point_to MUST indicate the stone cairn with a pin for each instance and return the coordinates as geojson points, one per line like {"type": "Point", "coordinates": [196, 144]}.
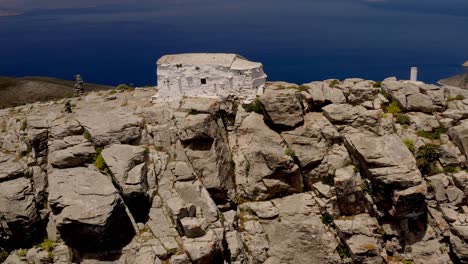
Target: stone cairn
{"type": "Point", "coordinates": [79, 90]}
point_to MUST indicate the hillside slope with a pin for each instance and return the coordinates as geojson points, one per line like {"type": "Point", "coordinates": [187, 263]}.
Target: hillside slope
{"type": "Point", "coordinates": [460, 80]}
{"type": "Point", "coordinates": [19, 91]}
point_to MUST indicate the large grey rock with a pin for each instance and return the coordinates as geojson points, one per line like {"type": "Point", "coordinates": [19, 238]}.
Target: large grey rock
{"type": "Point", "coordinates": [64, 127]}
{"type": "Point", "coordinates": [362, 235]}
{"type": "Point", "coordinates": [459, 136]}
{"type": "Point", "coordinates": [72, 156]}
{"type": "Point", "coordinates": [88, 210]}
{"type": "Point", "coordinates": [349, 191]}
{"type": "Point", "coordinates": [309, 141]}
{"type": "Point", "coordinates": [128, 166]}
{"type": "Point", "coordinates": [205, 249]}
{"type": "Point", "coordinates": [288, 236]}
{"type": "Point", "coordinates": [282, 106]}
{"type": "Point", "coordinates": [388, 163]}
{"type": "Point", "coordinates": [263, 170]}
{"type": "Point", "coordinates": [19, 217]}
{"type": "Point", "coordinates": [106, 128]}
{"type": "Point", "coordinates": [207, 149]}
{"type": "Point", "coordinates": [417, 97]}
{"type": "Point", "coordinates": [10, 167]}
{"type": "Point", "coordinates": [321, 93]}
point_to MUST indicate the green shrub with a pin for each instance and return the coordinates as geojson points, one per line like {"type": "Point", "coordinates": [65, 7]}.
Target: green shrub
{"type": "Point", "coordinates": [21, 253]}
{"type": "Point", "coordinates": [426, 156]}
{"type": "Point", "coordinates": [328, 180]}
{"type": "Point", "coordinates": [452, 169]}
{"type": "Point", "coordinates": [435, 134]}
{"type": "Point", "coordinates": [99, 162]}
{"type": "Point", "coordinates": [393, 108]}
{"type": "Point", "coordinates": [409, 143]}
{"type": "Point", "coordinates": [343, 251]}
{"type": "Point", "coordinates": [232, 166]}
{"type": "Point", "coordinates": [87, 136]}
{"type": "Point", "coordinates": [3, 255]}
{"type": "Point", "coordinates": [377, 85]}
{"type": "Point", "coordinates": [458, 97]}
{"type": "Point", "coordinates": [47, 245]}
{"type": "Point", "coordinates": [255, 106]}
{"type": "Point", "coordinates": [386, 95]}
{"type": "Point", "coordinates": [290, 152]}
{"type": "Point", "coordinates": [302, 88]}
{"type": "Point", "coordinates": [327, 218]}
{"type": "Point", "coordinates": [403, 119]}
{"type": "Point", "coordinates": [404, 126]}
{"type": "Point", "coordinates": [125, 87]}
{"type": "Point", "coordinates": [334, 83]}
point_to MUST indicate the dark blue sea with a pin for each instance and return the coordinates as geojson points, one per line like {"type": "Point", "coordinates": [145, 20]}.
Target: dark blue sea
{"type": "Point", "coordinates": [296, 40]}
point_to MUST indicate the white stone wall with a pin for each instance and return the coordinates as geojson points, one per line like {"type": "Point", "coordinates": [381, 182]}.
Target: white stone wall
{"type": "Point", "coordinates": [186, 80]}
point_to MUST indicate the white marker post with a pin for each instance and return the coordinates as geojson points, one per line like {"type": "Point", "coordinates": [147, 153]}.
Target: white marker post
{"type": "Point", "coordinates": [414, 74]}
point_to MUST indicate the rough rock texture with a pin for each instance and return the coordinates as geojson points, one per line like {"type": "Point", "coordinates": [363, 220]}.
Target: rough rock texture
{"type": "Point", "coordinates": [87, 209]}
{"type": "Point", "coordinates": [325, 172]}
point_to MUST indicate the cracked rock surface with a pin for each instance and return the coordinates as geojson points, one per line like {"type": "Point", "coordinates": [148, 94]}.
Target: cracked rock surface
{"type": "Point", "coordinates": [330, 171]}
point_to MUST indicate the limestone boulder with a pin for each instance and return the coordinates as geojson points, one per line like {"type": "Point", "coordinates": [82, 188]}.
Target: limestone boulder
{"type": "Point", "coordinates": [348, 185]}
{"type": "Point", "coordinates": [362, 235]}
{"type": "Point", "coordinates": [282, 106]}
{"type": "Point", "coordinates": [417, 97]}
{"type": "Point", "coordinates": [20, 220]}
{"type": "Point", "coordinates": [110, 127]}
{"type": "Point", "coordinates": [321, 93]}
{"type": "Point", "coordinates": [205, 249]}
{"type": "Point", "coordinates": [207, 149]}
{"type": "Point", "coordinates": [263, 169]}
{"type": "Point", "coordinates": [459, 136]}
{"type": "Point", "coordinates": [359, 92]}
{"type": "Point", "coordinates": [65, 127]}
{"type": "Point", "coordinates": [87, 209]}
{"type": "Point", "coordinates": [288, 234]}
{"type": "Point", "coordinates": [311, 141]}
{"type": "Point", "coordinates": [424, 122]}
{"type": "Point", "coordinates": [128, 166]}
{"type": "Point", "coordinates": [388, 163]}
{"type": "Point", "coordinates": [10, 167]}
{"type": "Point", "coordinates": [72, 156]}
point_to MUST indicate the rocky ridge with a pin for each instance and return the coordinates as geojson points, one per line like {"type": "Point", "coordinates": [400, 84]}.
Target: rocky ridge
{"type": "Point", "coordinates": [351, 171]}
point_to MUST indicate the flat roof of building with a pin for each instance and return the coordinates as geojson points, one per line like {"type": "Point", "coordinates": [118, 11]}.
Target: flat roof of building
{"type": "Point", "coordinates": [228, 60]}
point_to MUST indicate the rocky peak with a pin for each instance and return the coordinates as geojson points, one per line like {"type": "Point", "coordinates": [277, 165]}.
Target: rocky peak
{"type": "Point", "coordinates": [351, 171]}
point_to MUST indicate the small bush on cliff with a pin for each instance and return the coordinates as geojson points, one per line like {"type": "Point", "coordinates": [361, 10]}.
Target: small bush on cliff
{"type": "Point", "coordinates": [327, 218]}
{"type": "Point", "coordinates": [21, 253]}
{"type": "Point", "coordinates": [3, 255]}
{"type": "Point", "coordinates": [409, 143]}
{"type": "Point", "coordinates": [47, 245]}
{"type": "Point", "coordinates": [334, 83]}
{"type": "Point", "coordinates": [255, 106]}
{"type": "Point", "coordinates": [377, 85]}
{"type": "Point", "coordinates": [343, 251]}
{"type": "Point", "coordinates": [435, 134]}
{"type": "Point", "coordinates": [452, 169]}
{"type": "Point", "coordinates": [426, 156]}
{"type": "Point", "coordinates": [458, 97]}
{"type": "Point", "coordinates": [393, 108]}
{"type": "Point", "coordinates": [125, 87]}
{"type": "Point", "coordinates": [100, 163]}
{"type": "Point", "coordinates": [290, 152]}
{"type": "Point", "coordinates": [402, 119]}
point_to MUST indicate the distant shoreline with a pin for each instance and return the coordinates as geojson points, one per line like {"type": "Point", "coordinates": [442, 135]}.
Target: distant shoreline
{"type": "Point", "coordinates": [7, 13]}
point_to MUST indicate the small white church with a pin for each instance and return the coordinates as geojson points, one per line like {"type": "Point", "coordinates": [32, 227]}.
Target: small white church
{"type": "Point", "coordinates": [208, 75]}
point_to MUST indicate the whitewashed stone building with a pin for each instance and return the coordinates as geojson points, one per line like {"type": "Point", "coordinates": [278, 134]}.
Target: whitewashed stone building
{"type": "Point", "coordinates": [208, 74]}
